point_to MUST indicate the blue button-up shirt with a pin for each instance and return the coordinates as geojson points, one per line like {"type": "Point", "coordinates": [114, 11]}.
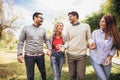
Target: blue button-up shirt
{"type": "Point", "coordinates": [104, 47]}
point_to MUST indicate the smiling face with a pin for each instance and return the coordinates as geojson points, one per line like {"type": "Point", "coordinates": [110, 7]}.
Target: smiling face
{"type": "Point", "coordinates": [72, 18]}
{"type": "Point", "coordinates": [39, 19]}
{"type": "Point", "coordinates": [59, 27]}
{"type": "Point", "coordinates": [102, 24]}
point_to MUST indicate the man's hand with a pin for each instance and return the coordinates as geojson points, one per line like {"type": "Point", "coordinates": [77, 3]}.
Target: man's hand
{"type": "Point", "coordinates": [62, 49]}
{"type": "Point", "coordinates": [92, 46]}
{"type": "Point", "coordinates": [20, 58]}
{"type": "Point", "coordinates": [49, 52]}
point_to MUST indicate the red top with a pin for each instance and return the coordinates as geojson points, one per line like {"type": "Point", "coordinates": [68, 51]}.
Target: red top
{"type": "Point", "coordinates": [57, 42]}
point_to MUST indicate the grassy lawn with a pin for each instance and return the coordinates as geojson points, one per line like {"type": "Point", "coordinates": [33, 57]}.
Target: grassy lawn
{"type": "Point", "coordinates": [10, 69]}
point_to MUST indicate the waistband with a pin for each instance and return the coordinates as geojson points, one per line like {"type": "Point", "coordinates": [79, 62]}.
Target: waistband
{"type": "Point", "coordinates": [34, 54]}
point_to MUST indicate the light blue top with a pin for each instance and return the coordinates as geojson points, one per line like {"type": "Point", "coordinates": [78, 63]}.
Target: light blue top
{"type": "Point", "coordinates": [103, 47]}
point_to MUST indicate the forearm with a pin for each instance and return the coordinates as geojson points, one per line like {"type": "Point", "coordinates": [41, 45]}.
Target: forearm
{"type": "Point", "coordinates": [112, 52]}
{"type": "Point", "coordinates": [20, 47]}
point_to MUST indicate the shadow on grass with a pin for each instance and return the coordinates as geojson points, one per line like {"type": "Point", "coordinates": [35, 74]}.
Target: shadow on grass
{"type": "Point", "coordinates": [115, 76]}
{"type": "Point", "coordinates": [88, 61]}
{"type": "Point", "coordinates": [12, 71]}
{"type": "Point", "coordinates": [16, 71]}
{"type": "Point", "coordinates": [91, 76]}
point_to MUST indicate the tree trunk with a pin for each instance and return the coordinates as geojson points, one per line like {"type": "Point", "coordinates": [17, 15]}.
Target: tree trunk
{"type": "Point", "coordinates": [0, 33]}
{"type": "Point", "coordinates": [117, 52]}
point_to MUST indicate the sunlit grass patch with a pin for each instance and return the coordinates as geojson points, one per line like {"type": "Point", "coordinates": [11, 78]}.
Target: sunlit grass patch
{"type": "Point", "coordinates": [17, 71]}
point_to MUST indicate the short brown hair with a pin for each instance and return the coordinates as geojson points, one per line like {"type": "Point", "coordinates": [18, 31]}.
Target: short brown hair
{"type": "Point", "coordinates": [74, 13]}
{"type": "Point", "coordinates": [36, 14]}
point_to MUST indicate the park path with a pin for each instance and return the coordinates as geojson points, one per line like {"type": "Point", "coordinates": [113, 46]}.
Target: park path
{"type": "Point", "coordinates": [6, 57]}
{"type": "Point", "coordinates": [116, 60]}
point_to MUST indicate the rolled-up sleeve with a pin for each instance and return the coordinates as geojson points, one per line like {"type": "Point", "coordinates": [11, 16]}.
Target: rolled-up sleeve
{"type": "Point", "coordinates": [66, 40]}
{"type": "Point", "coordinates": [112, 52]}
{"type": "Point", "coordinates": [89, 35]}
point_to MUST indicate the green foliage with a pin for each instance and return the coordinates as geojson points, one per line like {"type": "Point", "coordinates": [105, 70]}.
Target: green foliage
{"type": "Point", "coordinates": [109, 7]}
{"type": "Point", "coordinates": [112, 7]}
{"type": "Point", "coordinates": [49, 32]}
{"type": "Point", "coordinates": [8, 40]}
{"type": "Point", "coordinates": [17, 71]}
{"type": "Point", "coordinates": [10, 71]}
{"type": "Point", "coordinates": [8, 19]}
{"type": "Point", "coordinates": [93, 20]}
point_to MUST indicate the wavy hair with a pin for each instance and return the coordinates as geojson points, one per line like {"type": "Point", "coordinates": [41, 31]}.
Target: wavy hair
{"type": "Point", "coordinates": [112, 29]}
{"type": "Point", "coordinates": [55, 28]}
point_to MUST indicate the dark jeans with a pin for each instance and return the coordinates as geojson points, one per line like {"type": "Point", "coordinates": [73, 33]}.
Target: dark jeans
{"type": "Point", "coordinates": [30, 64]}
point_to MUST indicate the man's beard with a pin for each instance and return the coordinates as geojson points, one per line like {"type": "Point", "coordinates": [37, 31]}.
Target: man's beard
{"type": "Point", "coordinates": [39, 23]}
{"type": "Point", "coordinates": [72, 22]}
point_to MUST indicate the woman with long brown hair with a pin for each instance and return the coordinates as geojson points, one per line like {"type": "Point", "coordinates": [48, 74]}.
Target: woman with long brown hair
{"type": "Point", "coordinates": [107, 40]}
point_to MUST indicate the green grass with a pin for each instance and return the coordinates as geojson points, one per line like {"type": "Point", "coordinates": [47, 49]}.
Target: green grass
{"type": "Point", "coordinates": [16, 71]}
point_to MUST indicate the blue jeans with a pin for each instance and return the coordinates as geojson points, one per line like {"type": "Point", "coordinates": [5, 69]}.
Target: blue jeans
{"type": "Point", "coordinates": [30, 64]}
{"type": "Point", "coordinates": [103, 72]}
{"type": "Point", "coordinates": [57, 60]}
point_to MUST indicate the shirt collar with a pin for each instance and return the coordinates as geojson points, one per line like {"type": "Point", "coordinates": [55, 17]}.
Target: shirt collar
{"type": "Point", "coordinates": [76, 24]}
{"type": "Point", "coordinates": [101, 31]}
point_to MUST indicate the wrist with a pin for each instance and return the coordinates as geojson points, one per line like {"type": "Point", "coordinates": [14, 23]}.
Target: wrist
{"type": "Point", "coordinates": [110, 56]}
{"type": "Point", "coordinates": [19, 54]}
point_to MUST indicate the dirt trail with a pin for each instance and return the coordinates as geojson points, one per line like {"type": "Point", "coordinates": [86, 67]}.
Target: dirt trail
{"type": "Point", "coordinates": [7, 57]}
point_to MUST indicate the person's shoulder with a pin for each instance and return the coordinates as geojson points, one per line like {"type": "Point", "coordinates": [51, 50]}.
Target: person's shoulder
{"type": "Point", "coordinates": [27, 26]}
{"type": "Point", "coordinates": [96, 31]}
{"type": "Point", "coordinates": [41, 27]}
{"type": "Point", "coordinates": [85, 24]}
{"type": "Point", "coordinates": [64, 35]}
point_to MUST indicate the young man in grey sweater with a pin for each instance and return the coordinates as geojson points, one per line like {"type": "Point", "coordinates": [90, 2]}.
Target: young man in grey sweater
{"type": "Point", "coordinates": [33, 36]}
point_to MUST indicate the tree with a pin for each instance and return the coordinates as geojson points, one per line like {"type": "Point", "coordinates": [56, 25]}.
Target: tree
{"type": "Point", "coordinates": [112, 7]}
{"type": "Point", "coordinates": [109, 7]}
{"type": "Point", "coordinates": [7, 18]}
{"type": "Point", "coordinates": [1, 17]}
{"type": "Point", "coordinates": [93, 20]}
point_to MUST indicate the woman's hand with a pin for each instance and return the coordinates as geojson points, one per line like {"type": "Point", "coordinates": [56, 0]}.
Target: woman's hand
{"type": "Point", "coordinates": [92, 46]}
{"type": "Point", "coordinates": [49, 52]}
{"type": "Point", "coordinates": [108, 60]}
{"type": "Point", "coordinates": [61, 49]}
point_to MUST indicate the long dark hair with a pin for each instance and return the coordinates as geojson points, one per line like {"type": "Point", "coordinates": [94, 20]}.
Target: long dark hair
{"type": "Point", "coordinates": [112, 29]}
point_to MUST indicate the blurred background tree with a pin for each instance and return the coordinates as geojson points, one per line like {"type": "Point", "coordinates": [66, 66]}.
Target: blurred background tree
{"type": "Point", "coordinates": [7, 17]}
{"type": "Point", "coordinates": [112, 7]}
{"type": "Point", "coordinates": [9, 23]}
{"type": "Point", "coordinates": [108, 7]}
